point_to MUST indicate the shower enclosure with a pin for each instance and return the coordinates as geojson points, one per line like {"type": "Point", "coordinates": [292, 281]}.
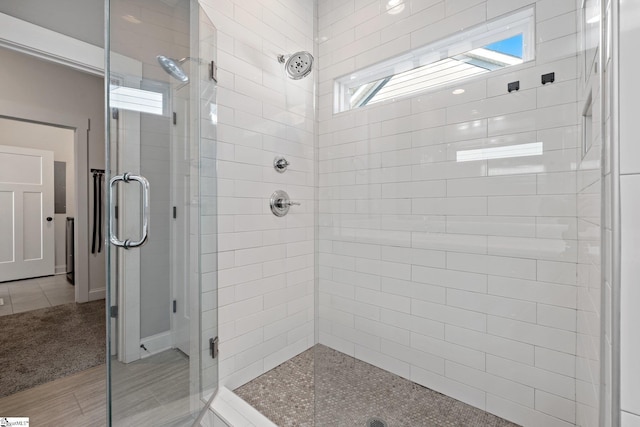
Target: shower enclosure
{"type": "Point", "coordinates": [415, 195]}
{"type": "Point", "coordinates": [454, 228]}
{"type": "Point", "coordinates": [162, 286]}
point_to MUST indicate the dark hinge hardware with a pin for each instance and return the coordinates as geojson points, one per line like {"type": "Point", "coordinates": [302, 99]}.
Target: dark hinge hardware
{"type": "Point", "coordinates": [114, 113]}
{"type": "Point", "coordinates": [113, 311]}
{"type": "Point", "coordinates": [213, 347]}
{"type": "Point", "coordinates": [213, 71]}
{"type": "Point", "coordinates": [175, 306]}
{"type": "Point", "coordinates": [175, 212]}
{"type": "Point", "coordinates": [175, 118]}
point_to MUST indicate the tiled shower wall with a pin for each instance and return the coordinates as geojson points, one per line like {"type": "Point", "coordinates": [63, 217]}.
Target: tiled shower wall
{"type": "Point", "coordinates": [265, 263]}
{"type": "Point", "coordinates": [458, 276]}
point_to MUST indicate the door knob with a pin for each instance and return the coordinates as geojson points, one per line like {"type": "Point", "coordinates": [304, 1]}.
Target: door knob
{"type": "Point", "coordinates": [49, 219]}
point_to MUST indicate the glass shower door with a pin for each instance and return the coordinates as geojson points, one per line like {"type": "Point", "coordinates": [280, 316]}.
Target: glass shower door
{"type": "Point", "coordinates": [161, 95]}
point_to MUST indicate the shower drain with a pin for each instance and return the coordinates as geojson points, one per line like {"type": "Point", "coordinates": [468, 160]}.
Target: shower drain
{"type": "Point", "coordinates": [376, 422]}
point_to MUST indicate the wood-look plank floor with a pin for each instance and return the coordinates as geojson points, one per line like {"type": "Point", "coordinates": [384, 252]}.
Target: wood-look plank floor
{"type": "Point", "coordinates": [77, 400]}
{"type": "Point", "coordinates": [152, 392]}
{"type": "Point", "coordinates": [149, 392]}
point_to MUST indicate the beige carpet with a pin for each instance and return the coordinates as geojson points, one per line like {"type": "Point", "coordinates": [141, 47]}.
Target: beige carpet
{"type": "Point", "coordinates": [41, 345]}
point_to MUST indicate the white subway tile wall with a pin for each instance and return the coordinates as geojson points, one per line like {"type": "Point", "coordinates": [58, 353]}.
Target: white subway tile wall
{"type": "Point", "coordinates": [265, 264]}
{"type": "Point", "coordinates": [479, 278]}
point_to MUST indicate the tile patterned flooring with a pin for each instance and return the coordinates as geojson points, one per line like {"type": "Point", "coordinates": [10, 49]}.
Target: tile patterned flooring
{"type": "Point", "coordinates": [33, 294]}
{"type": "Point", "coordinates": [76, 401]}
{"type": "Point", "coordinates": [324, 387]}
{"type": "Point", "coordinates": [149, 392]}
{"type": "Point", "coordinates": [152, 392]}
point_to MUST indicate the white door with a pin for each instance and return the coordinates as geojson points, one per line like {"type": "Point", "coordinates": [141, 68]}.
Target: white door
{"type": "Point", "coordinates": [27, 233]}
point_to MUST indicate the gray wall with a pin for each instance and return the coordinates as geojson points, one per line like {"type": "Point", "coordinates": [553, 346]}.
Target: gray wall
{"type": "Point", "coordinates": [80, 19]}
{"type": "Point", "coordinates": [155, 256]}
{"type": "Point", "coordinates": [40, 91]}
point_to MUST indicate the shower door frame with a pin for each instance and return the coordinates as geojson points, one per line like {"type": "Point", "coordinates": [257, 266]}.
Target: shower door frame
{"type": "Point", "coordinates": [202, 371]}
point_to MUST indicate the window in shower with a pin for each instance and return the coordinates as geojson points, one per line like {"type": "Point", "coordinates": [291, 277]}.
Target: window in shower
{"type": "Point", "coordinates": [491, 46]}
{"type": "Point", "coordinates": [151, 97]}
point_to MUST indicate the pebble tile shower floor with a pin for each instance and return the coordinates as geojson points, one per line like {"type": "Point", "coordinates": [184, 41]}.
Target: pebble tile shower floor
{"type": "Point", "coordinates": [351, 393]}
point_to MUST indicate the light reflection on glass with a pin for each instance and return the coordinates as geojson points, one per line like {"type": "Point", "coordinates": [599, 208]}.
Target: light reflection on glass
{"type": "Point", "coordinates": [213, 113]}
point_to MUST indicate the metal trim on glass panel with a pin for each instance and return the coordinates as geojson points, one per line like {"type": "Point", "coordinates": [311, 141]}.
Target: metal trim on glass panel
{"type": "Point", "coordinates": [144, 183]}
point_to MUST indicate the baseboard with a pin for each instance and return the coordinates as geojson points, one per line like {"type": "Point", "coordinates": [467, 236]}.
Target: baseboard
{"type": "Point", "coordinates": [97, 294]}
{"type": "Point", "coordinates": [156, 344]}
{"type": "Point", "coordinates": [61, 269]}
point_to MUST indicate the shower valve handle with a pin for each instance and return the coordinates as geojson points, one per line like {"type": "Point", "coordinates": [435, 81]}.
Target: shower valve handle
{"type": "Point", "coordinates": [280, 203]}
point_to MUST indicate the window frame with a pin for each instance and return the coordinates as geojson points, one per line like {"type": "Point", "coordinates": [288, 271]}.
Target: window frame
{"type": "Point", "coordinates": [477, 36]}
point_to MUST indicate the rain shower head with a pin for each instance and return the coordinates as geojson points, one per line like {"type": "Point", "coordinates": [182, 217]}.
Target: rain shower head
{"type": "Point", "coordinates": [172, 66]}
{"type": "Point", "coordinates": [297, 65]}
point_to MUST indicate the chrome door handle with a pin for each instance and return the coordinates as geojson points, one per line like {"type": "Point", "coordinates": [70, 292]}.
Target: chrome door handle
{"type": "Point", "coordinates": [144, 183]}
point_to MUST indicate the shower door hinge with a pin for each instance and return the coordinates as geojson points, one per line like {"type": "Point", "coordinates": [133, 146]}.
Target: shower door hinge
{"type": "Point", "coordinates": [213, 347]}
{"type": "Point", "coordinates": [213, 71]}
{"type": "Point", "coordinates": [113, 311]}
{"type": "Point", "coordinates": [175, 118]}
{"type": "Point", "coordinates": [114, 113]}
{"type": "Point", "coordinates": [175, 212]}
{"type": "Point", "coordinates": [175, 306]}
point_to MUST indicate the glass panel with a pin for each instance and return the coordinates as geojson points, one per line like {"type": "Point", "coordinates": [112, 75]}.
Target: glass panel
{"type": "Point", "coordinates": [205, 240]}
{"type": "Point", "coordinates": [157, 74]}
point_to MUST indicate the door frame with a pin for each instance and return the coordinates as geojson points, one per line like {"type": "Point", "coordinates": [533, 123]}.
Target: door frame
{"type": "Point", "coordinates": [36, 41]}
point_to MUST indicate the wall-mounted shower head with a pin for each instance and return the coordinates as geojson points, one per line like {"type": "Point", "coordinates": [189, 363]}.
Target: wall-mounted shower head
{"type": "Point", "coordinates": [297, 65]}
{"type": "Point", "coordinates": [172, 66]}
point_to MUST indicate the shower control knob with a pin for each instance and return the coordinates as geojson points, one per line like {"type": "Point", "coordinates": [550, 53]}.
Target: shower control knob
{"type": "Point", "coordinates": [280, 203]}
{"type": "Point", "coordinates": [283, 203]}
{"type": "Point", "coordinates": [280, 164]}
